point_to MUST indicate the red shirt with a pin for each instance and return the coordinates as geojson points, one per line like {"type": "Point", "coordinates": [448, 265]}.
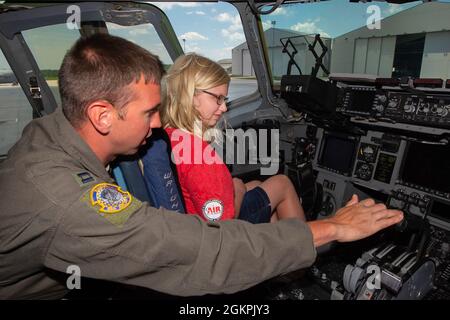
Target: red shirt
{"type": "Point", "coordinates": [206, 182]}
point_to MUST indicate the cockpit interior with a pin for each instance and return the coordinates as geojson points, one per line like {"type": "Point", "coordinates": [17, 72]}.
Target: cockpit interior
{"type": "Point", "coordinates": [365, 111]}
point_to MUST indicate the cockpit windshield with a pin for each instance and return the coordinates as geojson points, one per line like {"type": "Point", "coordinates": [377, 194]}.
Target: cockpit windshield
{"type": "Point", "coordinates": [373, 39]}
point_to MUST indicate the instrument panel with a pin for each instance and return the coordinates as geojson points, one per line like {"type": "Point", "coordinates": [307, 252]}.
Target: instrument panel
{"type": "Point", "coordinates": [392, 105]}
{"type": "Point", "coordinates": [395, 149]}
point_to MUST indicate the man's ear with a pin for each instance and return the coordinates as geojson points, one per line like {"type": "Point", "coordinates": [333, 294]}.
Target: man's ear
{"type": "Point", "coordinates": [100, 114]}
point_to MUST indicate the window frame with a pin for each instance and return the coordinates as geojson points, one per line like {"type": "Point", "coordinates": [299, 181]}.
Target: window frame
{"type": "Point", "coordinates": [94, 16]}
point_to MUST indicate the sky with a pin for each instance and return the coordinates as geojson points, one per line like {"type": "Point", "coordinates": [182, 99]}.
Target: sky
{"type": "Point", "coordinates": [213, 29]}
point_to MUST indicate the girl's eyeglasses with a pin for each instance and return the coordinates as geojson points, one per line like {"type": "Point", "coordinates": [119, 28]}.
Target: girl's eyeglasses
{"type": "Point", "coordinates": [220, 99]}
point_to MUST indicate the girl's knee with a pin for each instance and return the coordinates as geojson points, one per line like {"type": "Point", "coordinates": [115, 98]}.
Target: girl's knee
{"type": "Point", "coordinates": [283, 180]}
{"type": "Point", "coordinates": [252, 184]}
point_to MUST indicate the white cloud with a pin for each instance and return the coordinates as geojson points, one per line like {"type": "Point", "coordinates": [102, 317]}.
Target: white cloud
{"type": "Point", "coordinates": [234, 31]}
{"type": "Point", "coordinates": [227, 49]}
{"type": "Point", "coordinates": [200, 13]}
{"type": "Point", "coordinates": [218, 54]}
{"type": "Point", "coordinates": [170, 5]}
{"type": "Point", "coordinates": [113, 26]}
{"type": "Point", "coordinates": [233, 36]}
{"type": "Point", "coordinates": [266, 25]}
{"type": "Point", "coordinates": [280, 12]}
{"type": "Point", "coordinates": [132, 30]}
{"type": "Point", "coordinates": [214, 53]}
{"type": "Point", "coordinates": [309, 27]}
{"type": "Point", "coordinates": [192, 35]}
{"type": "Point", "coordinates": [223, 17]}
{"type": "Point", "coordinates": [226, 17]}
{"type": "Point", "coordinates": [196, 49]}
{"type": "Point", "coordinates": [393, 8]}
{"type": "Point", "coordinates": [138, 31]}
{"type": "Point", "coordinates": [190, 45]}
{"type": "Point", "coordinates": [236, 26]}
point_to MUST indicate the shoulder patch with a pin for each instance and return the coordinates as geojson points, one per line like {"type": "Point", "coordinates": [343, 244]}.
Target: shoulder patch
{"type": "Point", "coordinates": [212, 209]}
{"type": "Point", "coordinates": [110, 198]}
{"type": "Point", "coordinates": [111, 202]}
{"type": "Point", "coordinates": [84, 178]}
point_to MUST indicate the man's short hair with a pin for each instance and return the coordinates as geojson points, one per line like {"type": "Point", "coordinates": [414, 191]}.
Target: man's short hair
{"type": "Point", "coordinates": [100, 67]}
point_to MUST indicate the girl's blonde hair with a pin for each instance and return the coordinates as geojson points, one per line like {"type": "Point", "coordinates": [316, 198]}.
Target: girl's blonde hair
{"type": "Point", "coordinates": [188, 73]}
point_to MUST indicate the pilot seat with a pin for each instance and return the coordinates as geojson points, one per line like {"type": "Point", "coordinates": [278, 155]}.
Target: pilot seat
{"type": "Point", "coordinates": [160, 188]}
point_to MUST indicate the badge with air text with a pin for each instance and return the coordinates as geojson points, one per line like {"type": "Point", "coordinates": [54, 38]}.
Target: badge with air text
{"type": "Point", "coordinates": [110, 198]}
{"type": "Point", "coordinates": [212, 209]}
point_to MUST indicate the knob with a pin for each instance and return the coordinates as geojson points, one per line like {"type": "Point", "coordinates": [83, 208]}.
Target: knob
{"type": "Point", "coordinates": [434, 108]}
{"type": "Point", "coordinates": [392, 104]}
{"type": "Point", "coordinates": [401, 195]}
{"type": "Point", "coordinates": [379, 108]}
{"type": "Point", "coordinates": [408, 108]}
{"type": "Point", "coordinates": [382, 98]}
{"type": "Point", "coordinates": [414, 198]}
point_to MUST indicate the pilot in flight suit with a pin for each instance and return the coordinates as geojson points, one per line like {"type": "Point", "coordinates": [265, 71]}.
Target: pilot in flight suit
{"type": "Point", "coordinates": [48, 221]}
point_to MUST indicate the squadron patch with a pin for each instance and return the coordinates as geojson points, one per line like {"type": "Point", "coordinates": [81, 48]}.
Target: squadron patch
{"type": "Point", "coordinates": [111, 202]}
{"type": "Point", "coordinates": [111, 198]}
{"type": "Point", "coordinates": [212, 209]}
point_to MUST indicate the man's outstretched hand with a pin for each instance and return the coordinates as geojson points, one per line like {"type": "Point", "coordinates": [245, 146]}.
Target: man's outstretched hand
{"type": "Point", "coordinates": [357, 220]}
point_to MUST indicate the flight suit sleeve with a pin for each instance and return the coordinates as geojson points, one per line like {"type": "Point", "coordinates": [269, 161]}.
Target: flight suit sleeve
{"type": "Point", "coordinates": [176, 253]}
